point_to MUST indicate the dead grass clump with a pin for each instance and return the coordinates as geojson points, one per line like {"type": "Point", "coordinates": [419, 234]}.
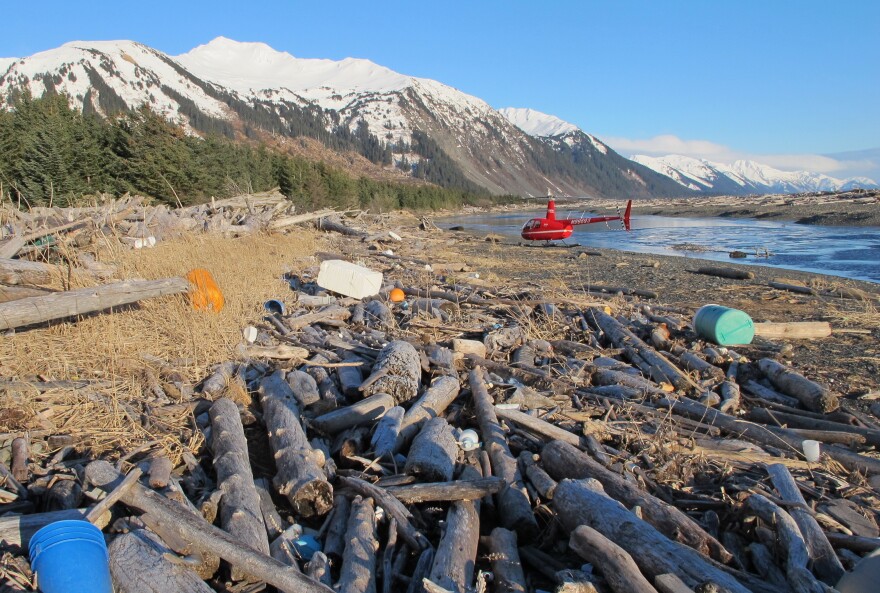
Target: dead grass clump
{"type": "Point", "coordinates": [117, 348]}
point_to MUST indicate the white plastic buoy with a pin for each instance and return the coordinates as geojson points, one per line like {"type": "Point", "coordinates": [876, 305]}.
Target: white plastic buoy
{"type": "Point", "coordinates": [469, 440]}
{"type": "Point", "coordinates": [811, 450]}
{"type": "Point", "coordinates": [250, 334]}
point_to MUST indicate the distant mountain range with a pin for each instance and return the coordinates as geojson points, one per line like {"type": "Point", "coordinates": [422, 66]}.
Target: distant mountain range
{"type": "Point", "coordinates": [745, 177]}
{"type": "Point", "coordinates": [412, 126]}
{"type": "Point", "coordinates": [250, 91]}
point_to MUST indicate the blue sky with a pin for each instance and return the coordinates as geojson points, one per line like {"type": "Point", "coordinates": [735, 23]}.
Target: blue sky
{"type": "Point", "coordinates": [779, 81]}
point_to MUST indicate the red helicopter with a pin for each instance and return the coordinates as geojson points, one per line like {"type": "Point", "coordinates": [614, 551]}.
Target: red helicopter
{"type": "Point", "coordinates": [550, 228]}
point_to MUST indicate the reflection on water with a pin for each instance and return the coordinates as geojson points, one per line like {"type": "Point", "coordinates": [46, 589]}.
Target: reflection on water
{"type": "Point", "coordinates": [839, 251]}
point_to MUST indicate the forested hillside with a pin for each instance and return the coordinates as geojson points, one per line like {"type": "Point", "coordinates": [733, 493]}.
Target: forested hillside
{"type": "Point", "coordinates": [50, 153]}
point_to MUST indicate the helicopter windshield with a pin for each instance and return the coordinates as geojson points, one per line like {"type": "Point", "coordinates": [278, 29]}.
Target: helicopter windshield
{"type": "Point", "coordinates": [532, 224]}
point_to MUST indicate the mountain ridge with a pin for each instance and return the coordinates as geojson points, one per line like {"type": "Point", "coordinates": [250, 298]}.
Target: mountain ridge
{"type": "Point", "coordinates": [424, 128]}
{"type": "Point", "coordinates": [746, 176]}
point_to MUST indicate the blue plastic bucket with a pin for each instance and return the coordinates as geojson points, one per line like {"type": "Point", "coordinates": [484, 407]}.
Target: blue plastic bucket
{"type": "Point", "coordinates": [70, 557]}
{"type": "Point", "coordinates": [723, 325]}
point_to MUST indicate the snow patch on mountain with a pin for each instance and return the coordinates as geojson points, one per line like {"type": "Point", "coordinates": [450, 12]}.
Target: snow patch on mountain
{"type": "Point", "coordinates": [5, 63]}
{"type": "Point", "coordinates": [749, 176]}
{"type": "Point", "coordinates": [137, 72]}
{"type": "Point", "coordinates": [536, 123]}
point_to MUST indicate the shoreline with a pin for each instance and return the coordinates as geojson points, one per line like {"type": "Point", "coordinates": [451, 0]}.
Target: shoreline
{"type": "Point", "coordinates": [851, 209]}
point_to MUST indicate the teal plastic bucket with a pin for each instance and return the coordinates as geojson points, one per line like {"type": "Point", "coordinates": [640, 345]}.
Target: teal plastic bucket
{"type": "Point", "coordinates": [70, 557]}
{"type": "Point", "coordinates": [724, 326]}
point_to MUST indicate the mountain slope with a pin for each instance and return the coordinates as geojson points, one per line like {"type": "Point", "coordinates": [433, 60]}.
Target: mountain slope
{"type": "Point", "coordinates": [422, 127]}
{"type": "Point", "coordinates": [745, 177]}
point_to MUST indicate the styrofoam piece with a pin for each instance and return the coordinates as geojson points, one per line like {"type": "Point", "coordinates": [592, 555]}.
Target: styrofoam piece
{"type": "Point", "coordinates": [349, 279]}
{"type": "Point", "coordinates": [811, 450]}
{"type": "Point", "coordinates": [250, 334]}
{"type": "Point", "coordinates": [469, 440]}
{"type": "Point", "coordinates": [394, 236]}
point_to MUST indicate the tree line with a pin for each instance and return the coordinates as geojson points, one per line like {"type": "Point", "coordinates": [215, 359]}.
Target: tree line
{"type": "Point", "coordinates": [52, 154]}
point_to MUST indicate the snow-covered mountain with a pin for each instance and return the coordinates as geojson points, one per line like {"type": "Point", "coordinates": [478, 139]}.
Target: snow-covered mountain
{"type": "Point", "coordinates": [745, 177]}
{"type": "Point", "coordinates": [251, 90]}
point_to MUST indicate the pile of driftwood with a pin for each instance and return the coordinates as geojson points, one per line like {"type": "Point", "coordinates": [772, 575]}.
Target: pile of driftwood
{"type": "Point", "coordinates": [46, 253]}
{"type": "Point", "coordinates": [614, 451]}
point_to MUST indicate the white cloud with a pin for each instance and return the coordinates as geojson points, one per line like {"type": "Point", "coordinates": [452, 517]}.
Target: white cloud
{"type": "Point", "coordinates": [711, 151]}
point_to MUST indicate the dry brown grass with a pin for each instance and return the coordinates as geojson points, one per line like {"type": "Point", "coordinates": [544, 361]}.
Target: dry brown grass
{"type": "Point", "coordinates": [111, 347]}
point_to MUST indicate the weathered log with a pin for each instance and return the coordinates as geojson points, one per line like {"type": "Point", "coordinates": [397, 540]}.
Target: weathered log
{"type": "Point", "coordinates": [334, 543]}
{"type": "Point", "coordinates": [692, 362]}
{"type": "Point", "coordinates": [71, 303]}
{"type": "Point", "coordinates": [16, 530]}
{"type": "Point", "coordinates": [616, 565]}
{"type": "Point", "coordinates": [813, 396]}
{"type": "Point", "coordinates": [669, 583]}
{"type": "Point", "coordinates": [299, 478]}
{"type": "Point", "coordinates": [856, 543]}
{"type": "Point", "coordinates": [202, 535]}
{"type": "Point", "coordinates": [327, 389]}
{"type": "Point", "coordinates": [277, 352]}
{"type": "Point", "coordinates": [433, 402]}
{"type": "Point", "coordinates": [803, 330]}
{"type": "Point", "coordinates": [433, 453]}
{"type": "Point", "coordinates": [506, 565]}
{"type": "Point", "coordinates": [240, 513]}
{"type": "Point", "coordinates": [731, 273]}
{"type": "Point", "coordinates": [304, 388]}
{"type": "Point", "coordinates": [64, 494]}
{"type": "Point", "coordinates": [160, 471]}
{"type": "Point", "coordinates": [453, 567]}
{"type": "Point", "coordinates": [460, 347]}
{"type": "Point", "coordinates": [363, 412]}
{"type": "Point", "coordinates": [329, 313]}
{"type": "Point", "coordinates": [329, 224]}
{"type": "Point", "coordinates": [275, 525]}
{"type": "Point", "coordinates": [358, 572]}
{"type": "Point", "coordinates": [824, 561]}
{"type": "Point", "coordinates": [404, 519]}
{"type": "Point", "coordinates": [397, 372]}
{"type": "Point", "coordinates": [641, 354]}
{"type": "Point", "coordinates": [22, 271]}
{"type": "Point", "coordinates": [513, 501]}
{"type": "Point", "coordinates": [286, 221]}
{"type": "Point", "coordinates": [351, 377]}
{"type": "Point", "coordinates": [561, 460]}
{"type": "Point", "coordinates": [387, 431]}
{"type": "Point", "coordinates": [446, 491]}
{"type": "Point", "coordinates": [318, 568]}
{"type": "Point", "coordinates": [583, 502]}
{"type": "Point", "coordinates": [538, 426]}
{"type": "Point", "coordinates": [20, 452]}
{"type": "Point", "coordinates": [792, 287]}
{"type": "Point", "coordinates": [139, 563]}
{"type": "Point", "coordinates": [219, 379]}
{"type": "Point", "coordinates": [771, 395]}
{"type": "Point", "coordinates": [541, 480]}
{"type": "Point", "coordinates": [791, 541]}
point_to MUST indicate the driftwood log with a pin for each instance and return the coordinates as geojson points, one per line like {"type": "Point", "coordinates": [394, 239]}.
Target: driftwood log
{"type": "Point", "coordinates": [139, 563]}
{"type": "Point", "coordinates": [203, 535]}
{"type": "Point", "coordinates": [813, 396]}
{"type": "Point", "coordinates": [363, 412]}
{"type": "Point", "coordinates": [431, 404]}
{"type": "Point", "coordinates": [793, 330]}
{"type": "Point", "coordinates": [358, 572]}
{"type": "Point", "coordinates": [562, 460]}
{"type": "Point", "coordinates": [453, 567]}
{"type": "Point", "coordinates": [825, 563]}
{"type": "Point", "coordinates": [397, 372]}
{"type": "Point", "coordinates": [240, 513]}
{"type": "Point", "coordinates": [584, 502]}
{"type": "Point", "coordinates": [513, 501]}
{"type": "Point", "coordinates": [616, 564]}
{"type": "Point", "coordinates": [300, 478]}
{"type": "Point", "coordinates": [433, 453]}
{"type": "Point", "coordinates": [447, 491]}
{"type": "Point", "coordinates": [71, 303]}
{"type": "Point", "coordinates": [506, 565]}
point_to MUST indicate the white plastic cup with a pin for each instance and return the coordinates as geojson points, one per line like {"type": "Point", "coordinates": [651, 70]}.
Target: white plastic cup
{"type": "Point", "coordinates": [469, 440]}
{"type": "Point", "coordinates": [250, 334]}
{"type": "Point", "coordinates": [811, 451]}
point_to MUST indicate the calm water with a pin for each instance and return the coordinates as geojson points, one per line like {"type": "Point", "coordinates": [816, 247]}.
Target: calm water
{"type": "Point", "coordinates": [851, 252]}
